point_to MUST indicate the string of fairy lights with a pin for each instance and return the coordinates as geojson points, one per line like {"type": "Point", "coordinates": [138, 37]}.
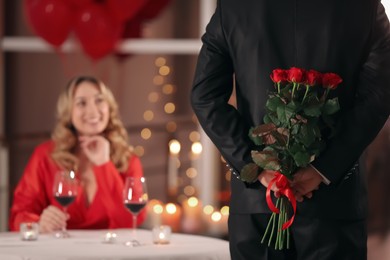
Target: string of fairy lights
{"type": "Point", "coordinates": [182, 185]}
{"type": "Point", "coordinates": [164, 87]}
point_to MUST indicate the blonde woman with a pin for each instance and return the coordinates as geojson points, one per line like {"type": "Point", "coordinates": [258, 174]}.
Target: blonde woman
{"type": "Point", "coordinates": [90, 139]}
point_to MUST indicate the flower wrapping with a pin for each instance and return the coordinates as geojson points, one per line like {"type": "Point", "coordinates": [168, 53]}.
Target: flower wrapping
{"type": "Point", "coordinates": [300, 116]}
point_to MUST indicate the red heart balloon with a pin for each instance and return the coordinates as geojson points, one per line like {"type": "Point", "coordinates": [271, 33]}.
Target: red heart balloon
{"type": "Point", "coordinates": [97, 31]}
{"type": "Point", "coordinates": [125, 9]}
{"type": "Point", "coordinates": [50, 19]}
{"type": "Point", "coordinates": [153, 8]}
{"type": "Point", "coordinates": [79, 3]}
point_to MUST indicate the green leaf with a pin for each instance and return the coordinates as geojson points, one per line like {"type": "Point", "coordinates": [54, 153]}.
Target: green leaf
{"type": "Point", "coordinates": [266, 159]}
{"type": "Point", "coordinates": [293, 106]}
{"type": "Point", "coordinates": [274, 119]}
{"type": "Point", "coordinates": [256, 139]}
{"type": "Point", "coordinates": [295, 129]}
{"type": "Point", "coordinates": [313, 110]}
{"type": "Point", "coordinates": [273, 103]}
{"type": "Point", "coordinates": [263, 129]}
{"type": "Point", "coordinates": [284, 113]}
{"type": "Point", "coordinates": [262, 134]}
{"type": "Point", "coordinates": [306, 135]}
{"type": "Point", "coordinates": [331, 106]}
{"type": "Point", "coordinates": [281, 135]}
{"type": "Point", "coordinates": [296, 148]}
{"type": "Point", "coordinates": [250, 172]}
{"type": "Point", "coordinates": [267, 119]}
{"type": "Point", "coordinates": [302, 159]}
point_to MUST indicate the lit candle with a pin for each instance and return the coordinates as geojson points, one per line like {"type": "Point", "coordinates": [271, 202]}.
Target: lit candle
{"type": "Point", "coordinates": [192, 222]}
{"type": "Point", "coordinates": [217, 222]}
{"type": "Point", "coordinates": [109, 238]}
{"type": "Point", "coordinates": [206, 216]}
{"type": "Point", "coordinates": [173, 165]}
{"type": "Point", "coordinates": [154, 211]}
{"type": "Point", "coordinates": [161, 234]}
{"type": "Point", "coordinates": [224, 220]}
{"type": "Point", "coordinates": [172, 216]}
{"type": "Point", "coordinates": [29, 231]}
{"type": "Point", "coordinates": [206, 161]}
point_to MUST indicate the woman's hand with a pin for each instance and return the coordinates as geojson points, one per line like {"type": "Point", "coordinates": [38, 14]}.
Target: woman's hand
{"type": "Point", "coordinates": [96, 148]}
{"type": "Point", "coordinates": [52, 218]}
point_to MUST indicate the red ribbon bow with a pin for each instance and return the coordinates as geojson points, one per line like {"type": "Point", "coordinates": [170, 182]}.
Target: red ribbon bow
{"type": "Point", "coordinates": [282, 184]}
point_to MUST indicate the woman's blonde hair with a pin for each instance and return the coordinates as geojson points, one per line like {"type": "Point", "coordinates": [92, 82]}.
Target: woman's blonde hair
{"type": "Point", "coordinates": [65, 135]}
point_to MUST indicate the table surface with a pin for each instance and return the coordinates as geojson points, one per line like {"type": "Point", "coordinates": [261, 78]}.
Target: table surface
{"type": "Point", "coordinates": [89, 245]}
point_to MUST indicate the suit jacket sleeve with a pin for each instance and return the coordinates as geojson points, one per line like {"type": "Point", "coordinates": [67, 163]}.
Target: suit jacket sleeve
{"type": "Point", "coordinates": [212, 88]}
{"type": "Point", "coordinates": [360, 124]}
{"type": "Point", "coordinates": [110, 184]}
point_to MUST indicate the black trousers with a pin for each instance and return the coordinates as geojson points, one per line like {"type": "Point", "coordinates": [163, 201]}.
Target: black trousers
{"type": "Point", "coordinates": [311, 239]}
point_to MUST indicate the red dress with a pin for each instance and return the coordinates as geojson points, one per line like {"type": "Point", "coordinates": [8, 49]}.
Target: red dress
{"type": "Point", "coordinates": [34, 193]}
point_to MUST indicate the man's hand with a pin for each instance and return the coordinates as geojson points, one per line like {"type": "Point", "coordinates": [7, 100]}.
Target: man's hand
{"type": "Point", "coordinates": [265, 177]}
{"type": "Point", "coordinates": [305, 181]}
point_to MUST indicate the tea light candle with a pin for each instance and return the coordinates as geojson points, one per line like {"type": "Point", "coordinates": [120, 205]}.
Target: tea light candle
{"type": "Point", "coordinates": [109, 238]}
{"type": "Point", "coordinates": [29, 231]}
{"type": "Point", "coordinates": [162, 234]}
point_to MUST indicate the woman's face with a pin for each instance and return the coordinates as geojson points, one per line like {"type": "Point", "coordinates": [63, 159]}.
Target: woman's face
{"type": "Point", "coordinates": [90, 110]}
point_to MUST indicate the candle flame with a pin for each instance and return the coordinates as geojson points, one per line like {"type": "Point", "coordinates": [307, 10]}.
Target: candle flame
{"type": "Point", "coordinates": [171, 208]}
{"type": "Point", "coordinates": [216, 216]}
{"type": "Point", "coordinates": [208, 209]}
{"type": "Point", "coordinates": [158, 209]}
{"type": "Point", "coordinates": [193, 202]}
{"type": "Point", "coordinates": [174, 146]}
{"type": "Point", "coordinates": [196, 148]}
{"type": "Point", "coordinates": [225, 210]}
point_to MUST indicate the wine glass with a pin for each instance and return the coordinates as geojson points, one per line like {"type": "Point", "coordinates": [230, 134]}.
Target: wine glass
{"type": "Point", "coordinates": [135, 197]}
{"type": "Point", "coordinates": [65, 191]}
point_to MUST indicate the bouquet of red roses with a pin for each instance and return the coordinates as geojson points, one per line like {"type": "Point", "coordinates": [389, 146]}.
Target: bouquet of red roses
{"type": "Point", "coordinates": [299, 113]}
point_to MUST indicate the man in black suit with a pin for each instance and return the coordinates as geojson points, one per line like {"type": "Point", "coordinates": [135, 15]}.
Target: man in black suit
{"type": "Point", "coordinates": [244, 41]}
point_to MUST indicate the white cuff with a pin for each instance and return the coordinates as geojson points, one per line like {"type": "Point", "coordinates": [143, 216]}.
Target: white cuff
{"type": "Point", "coordinates": [324, 179]}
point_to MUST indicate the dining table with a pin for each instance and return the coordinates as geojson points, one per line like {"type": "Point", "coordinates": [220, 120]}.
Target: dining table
{"type": "Point", "coordinates": [95, 245]}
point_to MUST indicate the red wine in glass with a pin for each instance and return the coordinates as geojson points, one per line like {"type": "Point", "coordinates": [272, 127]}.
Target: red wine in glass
{"type": "Point", "coordinates": [65, 200]}
{"type": "Point", "coordinates": [65, 189]}
{"type": "Point", "coordinates": [135, 207]}
{"type": "Point", "coordinates": [135, 197]}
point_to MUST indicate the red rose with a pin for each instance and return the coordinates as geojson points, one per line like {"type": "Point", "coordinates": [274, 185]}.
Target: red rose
{"type": "Point", "coordinates": [278, 75]}
{"type": "Point", "coordinates": [295, 75]}
{"type": "Point", "coordinates": [313, 77]}
{"type": "Point", "coordinates": [331, 80]}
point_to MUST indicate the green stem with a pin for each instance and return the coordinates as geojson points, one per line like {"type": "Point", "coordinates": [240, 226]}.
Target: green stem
{"type": "Point", "coordinates": [273, 224]}
{"type": "Point", "coordinates": [304, 97]}
{"type": "Point", "coordinates": [284, 221]}
{"type": "Point", "coordinates": [287, 230]}
{"type": "Point", "coordinates": [279, 231]}
{"type": "Point", "coordinates": [293, 90]}
{"type": "Point", "coordinates": [282, 232]}
{"type": "Point", "coordinates": [278, 87]}
{"type": "Point", "coordinates": [325, 95]}
{"type": "Point", "coordinates": [288, 238]}
{"type": "Point", "coordinates": [266, 230]}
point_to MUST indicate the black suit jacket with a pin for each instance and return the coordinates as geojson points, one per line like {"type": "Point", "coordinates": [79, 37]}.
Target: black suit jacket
{"type": "Point", "coordinates": [246, 39]}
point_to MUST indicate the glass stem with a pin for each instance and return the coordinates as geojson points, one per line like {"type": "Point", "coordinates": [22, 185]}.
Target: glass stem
{"type": "Point", "coordinates": [135, 226]}
{"type": "Point", "coordinates": [64, 227]}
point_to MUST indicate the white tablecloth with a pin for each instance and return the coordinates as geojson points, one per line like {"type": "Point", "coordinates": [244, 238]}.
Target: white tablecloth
{"type": "Point", "coordinates": [88, 245]}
